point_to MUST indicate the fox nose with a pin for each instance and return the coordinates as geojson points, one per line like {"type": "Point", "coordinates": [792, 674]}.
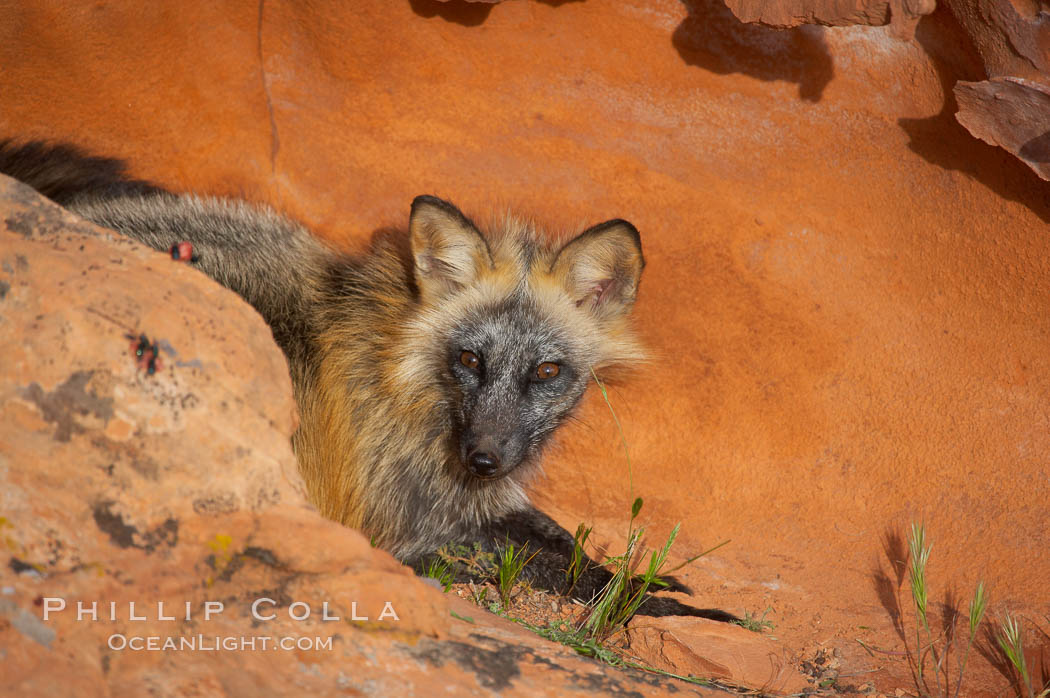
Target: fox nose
{"type": "Point", "coordinates": [482, 464]}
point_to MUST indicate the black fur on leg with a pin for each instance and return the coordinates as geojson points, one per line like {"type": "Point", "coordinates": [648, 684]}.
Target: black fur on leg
{"type": "Point", "coordinates": [555, 545]}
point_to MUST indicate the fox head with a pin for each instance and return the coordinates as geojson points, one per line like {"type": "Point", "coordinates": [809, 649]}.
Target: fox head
{"type": "Point", "coordinates": [511, 327]}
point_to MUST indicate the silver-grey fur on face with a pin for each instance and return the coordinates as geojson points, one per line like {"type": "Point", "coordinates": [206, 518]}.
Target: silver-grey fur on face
{"type": "Point", "coordinates": [504, 407]}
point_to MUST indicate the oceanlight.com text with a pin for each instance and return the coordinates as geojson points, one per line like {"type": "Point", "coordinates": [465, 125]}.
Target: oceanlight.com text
{"type": "Point", "coordinates": [216, 643]}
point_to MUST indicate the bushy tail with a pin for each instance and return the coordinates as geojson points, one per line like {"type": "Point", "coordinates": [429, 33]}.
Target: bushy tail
{"type": "Point", "coordinates": [271, 261]}
{"type": "Point", "coordinates": [64, 173]}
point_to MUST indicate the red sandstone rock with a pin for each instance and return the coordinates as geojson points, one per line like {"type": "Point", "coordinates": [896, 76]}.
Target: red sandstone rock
{"type": "Point", "coordinates": [705, 648]}
{"type": "Point", "coordinates": [1011, 113]}
{"type": "Point", "coordinates": [793, 13]}
{"type": "Point", "coordinates": [1011, 36]}
{"type": "Point", "coordinates": [902, 14]}
{"type": "Point", "coordinates": [1009, 110]}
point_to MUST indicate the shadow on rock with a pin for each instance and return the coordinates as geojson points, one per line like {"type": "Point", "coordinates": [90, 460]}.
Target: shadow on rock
{"type": "Point", "coordinates": [466, 12]}
{"type": "Point", "coordinates": [712, 38]}
{"type": "Point", "coordinates": [1037, 654]}
{"type": "Point", "coordinates": [886, 587]}
{"type": "Point", "coordinates": [469, 14]}
{"type": "Point", "coordinates": [988, 647]}
{"type": "Point", "coordinates": [941, 140]}
{"type": "Point", "coordinates": [1037, 149]}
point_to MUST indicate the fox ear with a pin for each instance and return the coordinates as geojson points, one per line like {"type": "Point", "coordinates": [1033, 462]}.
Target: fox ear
{"type": "Point", "coordinates": [601, 267]}
{"type": "Point", "coordinates": [447, 249]}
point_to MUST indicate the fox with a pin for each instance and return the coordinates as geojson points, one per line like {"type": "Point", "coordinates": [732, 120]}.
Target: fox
{"type": "Point", "coordinates": [430, 372]}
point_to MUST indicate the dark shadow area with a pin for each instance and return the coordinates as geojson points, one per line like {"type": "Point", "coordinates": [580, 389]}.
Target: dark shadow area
{"type": "Point", "coordinates": [950, 617]}
{"type": "Point", "coordinates": [887, 593]}
{"type": "Point", "coordinates": [1037, 149]}
{"type": "Point", "coordinates": [712, 38]}
{"type": "Point", "coordinates": [897, 553]}
{"type": "Point", "coordinates": [469, 14]}
{"type": "Point", "coordinates": [988, 647]}
{"type": "Point", "coordinates": [888, 586]}
{"type": "Point", "coordinates": [941, 140]}
{"type": "Point", "coordinates": [888, 589]}
{"type": "Point", "coordinates": [1036, 651]}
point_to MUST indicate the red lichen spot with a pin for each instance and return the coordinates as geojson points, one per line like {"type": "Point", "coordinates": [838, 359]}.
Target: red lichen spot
{"type": "Point", "coordinates": [146, 353]}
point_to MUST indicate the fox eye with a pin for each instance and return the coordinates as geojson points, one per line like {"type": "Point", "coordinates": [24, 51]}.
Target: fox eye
{"type": "Point", "coordinates": [547, 370]}
{"type": "Point", "coordinates": [470, 360]}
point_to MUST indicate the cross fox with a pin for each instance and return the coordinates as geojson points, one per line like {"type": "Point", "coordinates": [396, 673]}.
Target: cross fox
{"type": "Point", "coordinates": [429, 382]}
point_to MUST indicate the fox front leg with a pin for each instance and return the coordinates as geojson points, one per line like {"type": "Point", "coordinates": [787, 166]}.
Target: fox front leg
{"type": "Point", "coordinates": [548, 569]}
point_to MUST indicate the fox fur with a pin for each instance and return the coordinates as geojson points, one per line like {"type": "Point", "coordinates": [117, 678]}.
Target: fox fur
{"type": "Point", "coordinates": [429, 383]}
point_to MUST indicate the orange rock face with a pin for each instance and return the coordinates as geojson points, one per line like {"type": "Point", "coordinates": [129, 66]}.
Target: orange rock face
{"type": "Point", "coordinates": [722, 651]}
{"type": "Point", "coordinates": [846, 296]}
